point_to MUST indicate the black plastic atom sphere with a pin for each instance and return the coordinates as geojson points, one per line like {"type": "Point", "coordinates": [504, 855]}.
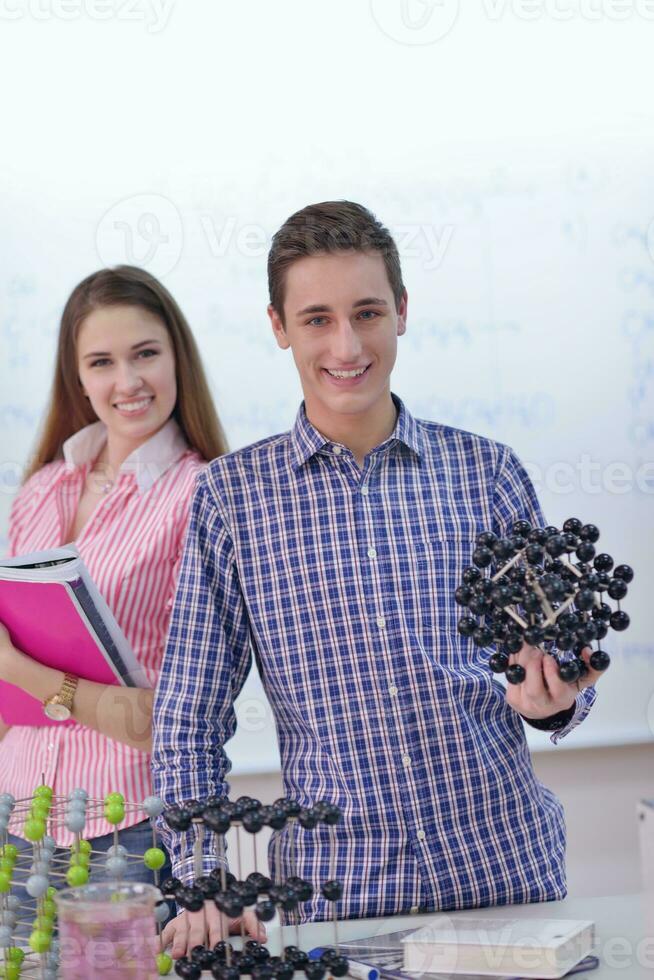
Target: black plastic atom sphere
{"type": "Point", "coordinates": [515, 673]}
{"type": "Point", "coordinates": [302, 888]}
{"type": "Point", "coordinates": [169, 886]}
{"type": "Point", "coordinates": [283, 970]}
{"type": "Point", "coordinates": [619, 620]}
{"type": "Point", "coordinates": [261, 971]}
{"type": "Point", "coordinates": [569, 671]}
{"type": "Point", "coordinates": [338, 966]}
{"type": "Point", "coordinates": [203, 957]}
{"type": "Point", "coordinates": [252, 821]}
{"type": "Point", "coordinates": [599, 660]}
{"type": "Point", "coordinates": [257, 951]}
{"type": "Point", "coordinates": [185, 968]}
{"type": "Point", "coordinates": [314, 970]}
{"type": "Point", "coordinates": [332, 890]}
{"type": "Point", "coordinates": [259, 881]}
{"type": "Point", "coordinates": [189, 898]}
{"type": "Point", "coordinates": [178, 818]}
{"type": "Point", "coordinates": [217, 819]}
{"type": "Point", "coordinates": [265, 910]}
{"type": "Point", "coordinates": [307, 819]}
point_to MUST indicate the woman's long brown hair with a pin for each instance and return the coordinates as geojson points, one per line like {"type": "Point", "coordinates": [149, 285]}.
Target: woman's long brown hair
{"type": "Point", "coordinates": [69, 410]}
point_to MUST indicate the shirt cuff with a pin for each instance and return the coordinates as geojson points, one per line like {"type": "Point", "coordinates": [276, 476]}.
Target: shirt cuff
{"type": "Point", "coordinates": [553, 722]}
{"type": "Point", "coordinates": [181, 850]}
{"type": "Point", "coordinates": [564, 722]}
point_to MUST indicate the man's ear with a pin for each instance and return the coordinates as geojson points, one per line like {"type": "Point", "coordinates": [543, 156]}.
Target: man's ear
{"type": "Point", "coordinates": [278, 328]}
{"type": "Point", "coordinates": [402, 314]}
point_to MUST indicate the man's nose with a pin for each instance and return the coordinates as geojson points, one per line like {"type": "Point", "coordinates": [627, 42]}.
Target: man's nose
{"type": "Point", "coordinates": [346, 345]}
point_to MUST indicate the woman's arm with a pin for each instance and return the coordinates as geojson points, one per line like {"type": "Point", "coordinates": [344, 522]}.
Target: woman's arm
{"type": "Point", "coordinates": [121, 713]}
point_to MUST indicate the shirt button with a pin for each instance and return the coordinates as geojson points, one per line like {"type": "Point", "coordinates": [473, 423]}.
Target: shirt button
{"type": "Point", "coordinates": [381, 622]}
{"type": "Point", "coordinates": [392, 690]}
{"type": "Point", "coordinates": [406, 760]}
{"type": "Point", "coordinates": [364, 491]}
{"type": "Point", "coordinates": [421, 834]}
{"type": "Point", "coordinates": [372, 552]}
{"type": "Point", "coordinates": [338, 450]}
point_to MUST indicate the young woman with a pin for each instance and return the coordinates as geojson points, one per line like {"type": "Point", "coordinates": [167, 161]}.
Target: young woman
{"type": "Point", "coordinates": [129, 425]}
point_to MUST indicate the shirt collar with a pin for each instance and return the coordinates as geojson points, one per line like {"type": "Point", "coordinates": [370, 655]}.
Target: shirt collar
{"type": "Point", "coordinates": [149, 462]}
{"type": "Point", "coordinates": [307, 441]}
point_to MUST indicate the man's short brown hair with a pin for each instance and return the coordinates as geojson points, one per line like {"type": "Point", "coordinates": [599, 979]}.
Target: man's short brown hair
{"type": "Point", "coordinates": [333, 226]}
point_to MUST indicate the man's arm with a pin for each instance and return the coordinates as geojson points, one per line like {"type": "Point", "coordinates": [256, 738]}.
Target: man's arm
{"type": "Point", "coordinates": [204, 667]}
{"type": "Point", "coordinates": [514, 498]}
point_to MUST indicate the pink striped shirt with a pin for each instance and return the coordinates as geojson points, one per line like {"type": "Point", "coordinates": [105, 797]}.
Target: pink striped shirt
{"type": "Point", "coordinates": [131, 544]}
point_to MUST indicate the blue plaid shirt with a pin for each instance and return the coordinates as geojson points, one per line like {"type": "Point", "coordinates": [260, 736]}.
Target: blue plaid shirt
{"type": "Point", "coordinates": [341, 582]}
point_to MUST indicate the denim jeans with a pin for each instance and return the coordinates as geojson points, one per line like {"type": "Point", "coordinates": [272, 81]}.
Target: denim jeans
{"type": "Point", "coordinates": [136, 840]}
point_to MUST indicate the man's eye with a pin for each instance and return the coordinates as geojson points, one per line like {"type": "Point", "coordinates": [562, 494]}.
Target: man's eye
{"type": "Point", "coordinates": [368, 314]}
{"type": "Point", "coordinates": [317, 321]}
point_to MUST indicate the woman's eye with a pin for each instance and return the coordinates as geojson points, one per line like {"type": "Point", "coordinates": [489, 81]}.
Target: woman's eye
{"type": "Point", "coordinates": [101, 361]}
{"type": "Point", "coordinates": [148, 352]}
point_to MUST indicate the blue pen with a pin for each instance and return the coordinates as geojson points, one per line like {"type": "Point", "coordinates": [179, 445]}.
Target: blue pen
{"type": "Point", "coordinates": [360, 971]}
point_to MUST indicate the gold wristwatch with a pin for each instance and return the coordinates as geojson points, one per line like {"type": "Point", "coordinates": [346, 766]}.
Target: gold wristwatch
{"type": "Point", "coordinates": [59, 707]}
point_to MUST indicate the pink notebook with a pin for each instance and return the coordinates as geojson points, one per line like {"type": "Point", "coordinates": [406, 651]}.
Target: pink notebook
{"type": "Point", "coordinates": [54, 613]}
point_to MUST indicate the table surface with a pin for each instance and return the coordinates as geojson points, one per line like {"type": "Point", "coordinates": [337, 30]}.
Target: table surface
{"type": "Point", "coordinates": [624, 929]}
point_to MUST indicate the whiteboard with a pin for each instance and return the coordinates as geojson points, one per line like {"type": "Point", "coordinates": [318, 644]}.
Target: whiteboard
{"type": "Point", "coordinates": [527, 244]}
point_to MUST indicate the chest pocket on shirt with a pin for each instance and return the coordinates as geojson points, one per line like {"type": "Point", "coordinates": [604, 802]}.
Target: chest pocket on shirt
{"type": "Point", "coordinates": [439, 564]}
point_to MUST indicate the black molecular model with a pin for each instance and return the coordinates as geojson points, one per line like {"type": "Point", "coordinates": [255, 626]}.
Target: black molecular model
{"type": "Point", "coordinates": [535, 593]}
{"type": "Point", "coordinates": [232, 895]}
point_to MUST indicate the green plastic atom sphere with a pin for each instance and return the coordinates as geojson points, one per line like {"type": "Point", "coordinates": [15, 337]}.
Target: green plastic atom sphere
{"type": "Point", "coordinates": [44, 923]}
{"type": "Point", "coordinates": [10, 971]}
{"type": "Point", "coordinates": [51, 892]}
{"type": "Point", "coordinates": [154, 858]}
{"type": "Point", "coordinates": [114, 812]}
{"type": "Point", "coordinates": [49, 908]}
{"type": "Point", "coordinates": [5, 882]}
{"type": "Point", "coordinates": [14, 954]}
{"type": "Point", "coordinates": [10, 851]}
{"type": "Point", "coordinates": [7, 865]}
{"type": "Point", "coordinates": [77, 875]}
{"type": "Point", "coordinates": [40, 941]}
{"type": "Point", "coordinates": [164, 964]}
{"type": "Point", "coordinates": [34, 828]}
{"type": "Point", "coordinates": [114, 798]}
{"type": "Point", "coordinates": [40, 809]}
{"type": "Point", "coordinates": [85, 846]}
{"type": "Point", "coordinates": [43, 792]}
{"type": "Point", "coordinates": [83, 860]}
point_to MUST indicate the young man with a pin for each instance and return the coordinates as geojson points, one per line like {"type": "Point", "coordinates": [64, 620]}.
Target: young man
{"type": "Point", "coordinates": [333, 551]}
